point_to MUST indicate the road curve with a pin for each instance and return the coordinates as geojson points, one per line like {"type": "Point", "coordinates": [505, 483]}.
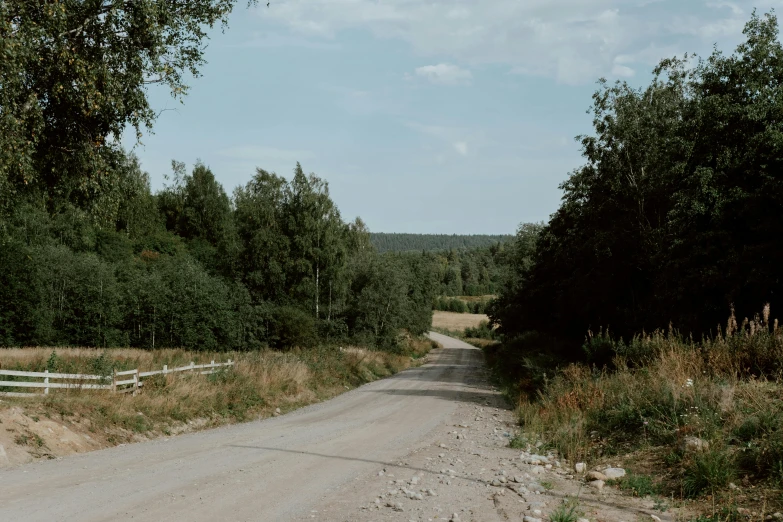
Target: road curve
{"type": "Point", "coordinates": [269, 470]}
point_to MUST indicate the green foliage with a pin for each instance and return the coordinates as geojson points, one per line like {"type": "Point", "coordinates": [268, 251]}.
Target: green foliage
{"type": "Point", "coordinates": [74, 74]}
{"type": "Point", "coordinates": [708, 471]}
{"type": "Point", "coordinates": [637, 485]}
{"type": "Point", "coordinates": [278, 268]}
{"type": "Point", "coordinates": [565, 512]}
{"type": "Point", "coordinates": [482, 331]}
{"type": "Point", "coordinates": [395, 242]}
{"type": "Point", "coordinates": [674, 215]}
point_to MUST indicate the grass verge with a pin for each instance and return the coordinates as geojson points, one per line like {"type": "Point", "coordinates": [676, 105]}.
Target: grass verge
{"type": "Point", "coordinates": [259, 384]}
{"type": "Point", "coordinates": [700, 422]}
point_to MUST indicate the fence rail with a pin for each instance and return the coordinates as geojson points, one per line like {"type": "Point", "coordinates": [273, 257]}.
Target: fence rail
{"type": "Point", "coordinates": [113, 382]}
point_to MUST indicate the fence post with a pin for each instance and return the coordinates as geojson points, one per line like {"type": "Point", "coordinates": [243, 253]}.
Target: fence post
{"type": "Point", "coordinates": [165, 369]}
{"type": "Point", "coordinates": [46, 382]}
{"type": "Point", "coordinates": [136, 382]}
{"type": "Point", "coordinates": [192, 364]}
{"type": "Point", "coordinates": [114, 380]}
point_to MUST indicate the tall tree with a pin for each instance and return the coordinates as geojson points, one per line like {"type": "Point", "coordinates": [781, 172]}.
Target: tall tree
{"type": "Point", "coordinates": [75, 73]}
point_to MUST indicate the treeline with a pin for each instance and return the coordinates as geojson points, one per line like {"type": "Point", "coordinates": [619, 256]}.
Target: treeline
{"type": "Point", "coordinates": [471, 272]}
{"type": "Point", "coordinates": [392, 242]}
{"type": "Point", "coordinates": [460, 306]}
{"type": "Point", "coordinates": [675, 216]}
{"type": "Point", "coordinates": [273, 265]}
{"type": "Point", "coordinates": [90, 256]}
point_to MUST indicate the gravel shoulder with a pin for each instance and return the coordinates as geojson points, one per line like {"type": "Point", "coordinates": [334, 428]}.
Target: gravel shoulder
{"type": "Point", "coordinates": [425, 444]}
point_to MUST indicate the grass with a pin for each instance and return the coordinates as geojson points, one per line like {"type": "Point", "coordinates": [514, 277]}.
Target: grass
{"type": "Point", "coordinates": [637, 485]}
{"type": "Point", "coordinates": [565, 512]}
{"type": "Point", "coordinates": [657, 394]}
{"type": "Point", "coordinates": [259, 383]}
{"type": "Point", "coordinates": [456, 322]}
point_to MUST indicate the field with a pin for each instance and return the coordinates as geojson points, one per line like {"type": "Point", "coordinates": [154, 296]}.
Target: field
{"type": "Point", "coordinates": [259, 384]}
{"type": "Point", "coordinates": [456, 322]}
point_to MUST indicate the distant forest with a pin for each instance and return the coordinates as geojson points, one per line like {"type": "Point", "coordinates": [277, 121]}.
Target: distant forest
{"type": "Point", "coordinates": [392, 242]}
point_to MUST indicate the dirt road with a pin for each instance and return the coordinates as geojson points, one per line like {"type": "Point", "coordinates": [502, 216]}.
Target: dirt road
{"type": "Point", "coordinates": [428, 444]}
{"type": "Point", "coordinates": [274, 469]}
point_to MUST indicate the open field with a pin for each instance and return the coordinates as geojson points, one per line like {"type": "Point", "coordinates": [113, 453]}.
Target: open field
{"type": "Point", "coordinates": [68, 421]}
{"type": "Point", "coordinates": [456, 322]}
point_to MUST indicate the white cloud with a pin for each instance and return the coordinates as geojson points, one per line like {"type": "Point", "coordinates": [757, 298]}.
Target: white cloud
{"type": "Point", "coordinates": [461, 147]}
{"type": "Point", "coordinates": [573, 41]}
{"type": "Point", "coordinates": [444, 73]}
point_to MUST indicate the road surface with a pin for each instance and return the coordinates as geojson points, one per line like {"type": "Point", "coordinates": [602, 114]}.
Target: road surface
{"type": "Point", "coordinates": [275, 469]}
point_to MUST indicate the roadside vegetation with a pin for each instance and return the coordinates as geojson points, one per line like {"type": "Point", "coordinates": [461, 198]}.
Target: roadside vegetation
{"type": "Point", "coordinates": [611, 327]}
{"type": "Point", "coordinates": [261, 383]}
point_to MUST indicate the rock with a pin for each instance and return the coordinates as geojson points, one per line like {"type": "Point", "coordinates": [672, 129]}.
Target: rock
{"type": "Point", "coordinates": [431, 492]}
{"type": "Point", "coordinates": [596, 475]}
{"type": "Point", "coordinates": [733, 486]}
{"type": "Point", "coordinates": [414, 481]}
{"type": "Point", "coordinates": [496, 482]}
{"type": "Point", "coordinates": [582, 520]}
{"type": "Point", "coordinates": [655, 518]}
{"type": "Point", "coordinates": [454, 517]}
{"type": "Point", "coordinates": [277, 410]}
{"type": "Point", "coordinates": [536, 487]}
{"type": "Point", "coordinates": [580, 467]}
{"type": "Point", "coordinates": [597, 484]}
{"type": "Point", "coordinates": [396, 506]}
{"type": "Point", "coordinates": [537, 470]}
{"type": "Point", "coordinates": [777, 516]}
{"type": "Point", "coordinates": [537, 512]}
{"type": "Point", "coordinates": [537, 460]}
{"type": "Point", "coordinates": [694, 445]}
{"type": "Point", "coordinates": [614, 473]}
{"type": "Point", "coordinates": [531, 519]}
{"type": "Point", "coordinates": [519, 479]}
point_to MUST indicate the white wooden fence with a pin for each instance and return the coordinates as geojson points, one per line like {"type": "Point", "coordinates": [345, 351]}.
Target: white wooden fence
{"type": "Point", "coordinates": [122, 382]}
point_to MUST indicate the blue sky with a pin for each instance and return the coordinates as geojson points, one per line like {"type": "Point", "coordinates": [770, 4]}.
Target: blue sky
{"type": "Point", "coordinates": [441, 116]}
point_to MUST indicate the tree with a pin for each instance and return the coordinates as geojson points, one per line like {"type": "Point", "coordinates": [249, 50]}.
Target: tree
{"type": "Point", "coordinates": [75, 73]}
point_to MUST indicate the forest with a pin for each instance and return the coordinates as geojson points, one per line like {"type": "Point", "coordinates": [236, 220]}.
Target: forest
{"type": "Point", "coordinates": [385, 242]}
{"type": "Point", "coordinates": [675, 215]}
{"type": "Point", "coordinates": [91, 256]}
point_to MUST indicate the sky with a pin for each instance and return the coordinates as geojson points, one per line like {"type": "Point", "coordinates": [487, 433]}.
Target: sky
{"type": "Point", "coordinates": [425, 116]}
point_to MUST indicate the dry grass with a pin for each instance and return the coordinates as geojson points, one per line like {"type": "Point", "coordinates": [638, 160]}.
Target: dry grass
{"type": "Point", "coordinates": [259, 383]}
{"type": "Point", "coordinates": [456, 322]}
{"type": "Point", "coordinates": [662, 390]}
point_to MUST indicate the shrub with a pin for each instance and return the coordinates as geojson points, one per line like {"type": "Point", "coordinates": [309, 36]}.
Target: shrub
{"type": "Point", "coordinates": [708, 471]}
{"type": "Point", "coordinates": [291, 327]}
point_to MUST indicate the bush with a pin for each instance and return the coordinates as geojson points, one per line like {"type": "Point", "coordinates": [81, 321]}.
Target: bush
{"type": "Point", "coordinates": [708, 471]}
{"type": "Point", "coordinates": [482, 331]}
{"type": "Point", "coordinates": [291, 327]}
